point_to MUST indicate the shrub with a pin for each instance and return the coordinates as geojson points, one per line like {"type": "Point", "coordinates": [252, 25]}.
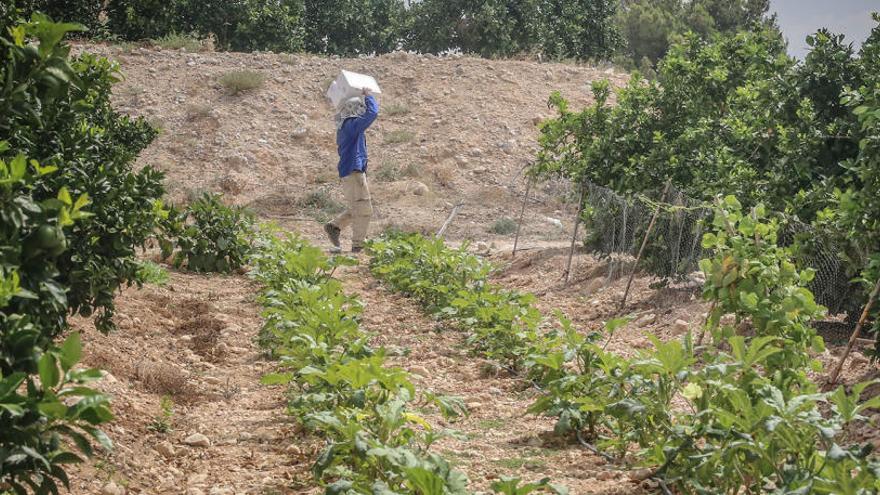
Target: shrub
{"type": "Point", "coordinates": [242, 80]}
{"type": "Point", "coordinates": [388, 172]}
{"type": "Point", "coordinates": [504, 226]}
{"type": "Point", "coordinates": [209, 236]}
{"type": "Point", "coordinates": [704, 124]}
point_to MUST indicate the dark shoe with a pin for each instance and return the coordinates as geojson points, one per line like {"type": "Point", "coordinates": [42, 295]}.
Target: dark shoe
{"type": "Point", "coordinates": [333, 233]}
{"type": "Point", "coordinates": [356, 250]}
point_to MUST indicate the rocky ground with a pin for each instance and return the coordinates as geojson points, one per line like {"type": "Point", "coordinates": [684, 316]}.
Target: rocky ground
{"type": "Point", "coordinates": [184, 371]}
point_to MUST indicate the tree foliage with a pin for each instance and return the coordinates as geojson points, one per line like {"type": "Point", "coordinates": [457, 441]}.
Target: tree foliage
{"type": "Point", "coordinates": [735, 114]}
{"type": "Point", "coordinates": [73, 211]}
{"type": "Point", "coordinates": [582, 29]}
{"type": "Point", "coordinates": [352, 27]}
{"type": "Point", "coordinates": [649, 26]}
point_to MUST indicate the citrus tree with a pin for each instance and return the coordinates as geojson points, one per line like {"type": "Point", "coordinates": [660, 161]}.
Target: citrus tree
{"type": "Point", "coordinates": [73, 212]}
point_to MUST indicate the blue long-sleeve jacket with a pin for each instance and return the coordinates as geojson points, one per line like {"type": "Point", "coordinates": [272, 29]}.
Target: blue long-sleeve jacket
{"type": "Point", "coordinates": [352, 142]}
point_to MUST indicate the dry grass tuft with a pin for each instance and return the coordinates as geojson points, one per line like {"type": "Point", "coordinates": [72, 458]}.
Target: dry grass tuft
{"type": "Point", "coordinates": [399, 137]}
{"type": "Point", "coordinates": [164, 379]}
{"type": "Point", "coordinates": [239, 81]}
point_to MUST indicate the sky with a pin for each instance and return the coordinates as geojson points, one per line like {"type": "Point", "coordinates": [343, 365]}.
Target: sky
{"type": "Point", "coordinates": [798, 18]}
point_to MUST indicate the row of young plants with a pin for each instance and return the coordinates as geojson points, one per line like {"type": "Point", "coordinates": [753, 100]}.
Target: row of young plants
{"type": "Point", "coordinates": [734, 412]}
{"type": "Point", "coordinates": [342, 389]}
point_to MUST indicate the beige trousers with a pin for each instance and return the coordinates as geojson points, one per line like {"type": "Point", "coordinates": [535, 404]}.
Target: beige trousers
{"type": "Point", "coordinates": [360, 208]}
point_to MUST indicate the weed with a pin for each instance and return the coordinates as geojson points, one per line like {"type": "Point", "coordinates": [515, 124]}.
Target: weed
{"type": "Point", "coordinates": [126, 46]}
{"type": "Point", "coordinates": [197, 111]}
{"type": "Point", "coordinates": [163, 379]}
{"type": "Point", "coordinates": [157, 123]}
{"type": "Point", "coordinates": [152, 273]}
{"type": "Point", "coordinates": [162, 422]}
{"type": "Point", "coordinates": [321, 204]}
{"type": "Point", "coordinates": [394, 228]}
{"type": "Point", "coordinates": [395, 109]}
{"type": "Point", "coordinates": [399, 137]}
{"type": "Point", "coordinates": [514, 463]}
{"type": "Point", "coordinates": [388, 172]}
{"type": "Point", "coordinates": [238, 81]}
{"type": "Point", "coordinates": [176, 41]}
{"type": "Point", "coordinates": [325, 177]}
{"type": "Point", "coordinates": [412, 171]}
{"type": "Point", "coordinates": [504, 226]}
{"type": "Point", "coordinates": [491, 424]}
{"type": "Point", "coordinates": [443, 175]}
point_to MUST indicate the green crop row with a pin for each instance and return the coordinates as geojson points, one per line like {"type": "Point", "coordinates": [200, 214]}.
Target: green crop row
{"type": "Point", "coordinates": [341, 388]}
{"type": "Point", "coordinates": [736, 415]}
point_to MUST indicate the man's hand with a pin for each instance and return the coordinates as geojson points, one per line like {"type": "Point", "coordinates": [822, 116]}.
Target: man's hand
{"type": "Point", "coordinates": [365, 92]}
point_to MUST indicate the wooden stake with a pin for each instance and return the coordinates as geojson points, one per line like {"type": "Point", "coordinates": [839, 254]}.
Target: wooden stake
{"type": "Point", "coordinates": [522, 213]}
{"type": "Point", "coordinates": [644, 244]}
{"type": "Point", "coordinates": [574, 235]}
{"type": "Point", "coordinates": [442, 232]}
{"type": "Point", "coordinates": [856, 333]}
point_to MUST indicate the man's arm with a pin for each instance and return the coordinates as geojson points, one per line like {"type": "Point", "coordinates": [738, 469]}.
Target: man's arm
{"type": "Point", "coordinates": [366, 120]}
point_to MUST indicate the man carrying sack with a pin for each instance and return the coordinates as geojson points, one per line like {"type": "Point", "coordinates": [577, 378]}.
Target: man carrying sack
{"type": "Point", "coordinates": [353, 118]}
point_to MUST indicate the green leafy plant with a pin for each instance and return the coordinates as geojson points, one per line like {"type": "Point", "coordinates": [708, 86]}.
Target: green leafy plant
{"type": "Point", "coordinates": [137, 20]}
{"type": "Point", "coordinates": [208, 236]}
{"type": "Point", "coordinates": [163, 422]}
{"type": "Point", "coordinates": [512, 486]}
{"type": "Point", "coordinates": [152, 273]}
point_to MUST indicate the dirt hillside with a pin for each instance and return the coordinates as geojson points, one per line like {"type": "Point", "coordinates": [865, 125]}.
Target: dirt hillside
{"type": "Point", "coordinates": [463, 127]}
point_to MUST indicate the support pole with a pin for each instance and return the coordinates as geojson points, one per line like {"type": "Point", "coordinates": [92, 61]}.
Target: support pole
{"type": "Point", "coordinates": [644, 245]}
{"type": "Point", "coordinates": [442, 232]}
{"type": "Point", "coordinates": [574, 235]}
{"type": "Point", "coordinates": [522, 213]}
{"type": "Point", "coordinates": [856, 333]}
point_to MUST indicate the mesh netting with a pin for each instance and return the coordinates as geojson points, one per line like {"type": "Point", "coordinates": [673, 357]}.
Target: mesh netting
{"type": "Point", "coordinates": [616, 226]}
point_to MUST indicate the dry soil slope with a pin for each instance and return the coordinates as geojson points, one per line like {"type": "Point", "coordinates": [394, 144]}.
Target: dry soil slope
{"type": "Point", "coordinates": [463, 126]}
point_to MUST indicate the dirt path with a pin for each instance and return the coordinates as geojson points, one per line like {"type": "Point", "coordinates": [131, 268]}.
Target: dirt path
{"type": "Point", "coordinates": [193, 341]}
{"type": "Point", "coordinates": [500, 439]}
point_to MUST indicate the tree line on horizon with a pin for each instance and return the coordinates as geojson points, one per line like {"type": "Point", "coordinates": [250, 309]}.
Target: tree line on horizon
{"type": "Point", "coordinates": [630, 32]}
